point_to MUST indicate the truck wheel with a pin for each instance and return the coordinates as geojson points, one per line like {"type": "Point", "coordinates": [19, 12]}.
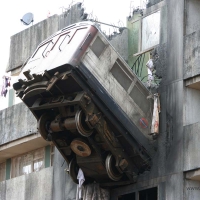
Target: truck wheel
{"type": "Point", "coordinates": [112, 171]}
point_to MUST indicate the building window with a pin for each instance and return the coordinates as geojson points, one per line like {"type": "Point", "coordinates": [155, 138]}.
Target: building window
{"type": "Point", "coordinates": [130, 196]}
{"type": "Point", "coordinates": [2, 171]}
{"type": "Point", "coordinates": [27, 163]}
{"type": "Point", "coordinates": [147, 194]}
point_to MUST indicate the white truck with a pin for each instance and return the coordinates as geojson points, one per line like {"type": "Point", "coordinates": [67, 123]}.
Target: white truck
{"type": "Point", "coordinates": [90, 104]}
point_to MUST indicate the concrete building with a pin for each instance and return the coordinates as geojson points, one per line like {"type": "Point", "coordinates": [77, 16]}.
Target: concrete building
{"type": "Point", "coordinates": [170, 31]}
{"type": "Point", "coordinates": [175, 166]}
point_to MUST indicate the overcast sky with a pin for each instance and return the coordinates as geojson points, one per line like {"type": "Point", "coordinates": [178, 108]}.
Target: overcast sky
{"type": "Point", "coordinates": [108, 11]}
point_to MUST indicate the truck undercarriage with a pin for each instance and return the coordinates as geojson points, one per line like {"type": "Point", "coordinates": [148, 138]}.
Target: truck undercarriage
{"type": "Point", "coordinates": [86, 124]}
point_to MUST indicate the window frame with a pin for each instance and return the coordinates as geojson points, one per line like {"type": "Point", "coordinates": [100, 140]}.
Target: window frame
{"type": "Point", "coordinates": [20, 166]}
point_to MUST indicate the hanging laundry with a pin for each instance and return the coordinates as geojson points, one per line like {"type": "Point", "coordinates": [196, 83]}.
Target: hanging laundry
{"type": "Point", "coordinates": [155, 118]}
{"type": "Point", "coordinates": [7, 82]}
{"type": "Point", "coordinates": [81, 180]}
{"type": "Point", "coordinates": [5, 92]}
{"type": "Point", "coordinates": [150, 68]}
{"type": "Point", "coordinates": [5, 85]}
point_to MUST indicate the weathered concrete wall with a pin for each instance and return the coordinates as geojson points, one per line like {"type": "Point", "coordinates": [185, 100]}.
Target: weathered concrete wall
{"type": "Point", "coordinates": [16, 122]}
{"type": "Point", "coordinates": [192, 55]}
{"type": "Point", "coordinates": [164, 23]}
{"type": "Point", "coordinates": [63, 187]}
{"type": "Point", "coordinates": [170, 67]}
{"type": "Point", "coordinates": [168, 162]}
{"type": "Point", "coordinates": [169, 157]}
{"type": "Point", "coordinates": [191, 96]}
{"type": "Point", "coordinates": [13, 186]}
{"type": "Point", "coordinates": [174, 187]}
{"type": "Point", "coordinates": [73, 15]}
{"type": "Point", "coordinates": [192, 16]}
{"type": "Point", "coordinates": [179, 105]}
{"type": "Point", "coordinates": [3, 190]}
{"type": "Point", "coordinates": [192, 190]}
{"type": "Point", "coordinates": [23, 44]}
{"type": "Point", "coordinates": [153, 2]}
{"type": "Point", "coordinates": [191, 106]}
{"type": "Point", "coordinates": [37, 185]}
{"type": "Point", "coordinates": [120, 43]}
{"type": "Point", "coordinates": [192, 35]}
{"type": "Point", "coordinates": [191, 146]}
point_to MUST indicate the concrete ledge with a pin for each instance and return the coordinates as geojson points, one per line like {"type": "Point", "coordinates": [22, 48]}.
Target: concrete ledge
{"type": "Point", "coordinates": [21, 146]}
{"type": "Point", "coordinates": [193, 82]}
{"type": "Point", "coordinates": [193, 175]}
